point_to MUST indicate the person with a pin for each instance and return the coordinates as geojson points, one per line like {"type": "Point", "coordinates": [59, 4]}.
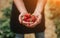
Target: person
{"type": "Point", "coordinates": [21, 7]}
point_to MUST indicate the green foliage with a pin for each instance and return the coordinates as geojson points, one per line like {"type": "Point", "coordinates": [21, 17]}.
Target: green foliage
{"type": "Point", "coordinates": [6, 12]}
{"type": "Point", "coordinates": [4, 24]}
{"type": "Point", "coordinates": [57, 23]}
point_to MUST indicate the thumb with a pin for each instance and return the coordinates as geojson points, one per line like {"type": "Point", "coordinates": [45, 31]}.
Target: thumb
{"type": "Point", "coordinates": [20, 19]}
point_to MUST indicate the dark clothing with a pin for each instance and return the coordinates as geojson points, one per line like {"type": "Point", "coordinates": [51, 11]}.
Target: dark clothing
{"type": "Point", "coordinates": [16, 27]}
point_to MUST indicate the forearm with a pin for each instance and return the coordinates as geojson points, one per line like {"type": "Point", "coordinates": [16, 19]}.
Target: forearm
{"type": "Point", "coordinates": [40, 6]}
{"type": "Point", "coordinates": [20, 6]}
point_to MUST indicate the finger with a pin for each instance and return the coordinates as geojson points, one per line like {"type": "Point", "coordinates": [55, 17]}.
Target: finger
{"type": "Point", "coordinates": [38, 19]}
{"type": "Point", "coordinates": [28, 25]}
{"type": "Point", "coordinates": [20, 19]}
{"type": "Point", "coordinates": [27, 22]}
{"type": "Point", "coordinates": [36, 22]}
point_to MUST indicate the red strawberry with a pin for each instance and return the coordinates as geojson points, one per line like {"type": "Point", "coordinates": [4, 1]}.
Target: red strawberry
{"type": "Point", "coordinates": [24, 18]}
{"type": "Point", "coordinates": [33, 18]}
{"type": "Point", "coordinates": [28, 15]}
{"type": "Point", "coordinates": [28, 20]}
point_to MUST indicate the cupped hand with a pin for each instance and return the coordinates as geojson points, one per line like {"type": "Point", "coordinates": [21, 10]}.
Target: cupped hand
{"type": "Point", "coordinates": [39, 17]}
{"type": "Point", "coordinates": [20, 17]}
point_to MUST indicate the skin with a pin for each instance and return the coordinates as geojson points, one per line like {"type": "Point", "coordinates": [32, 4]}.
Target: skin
{"type": "Point", "coordinates": [38, 10]}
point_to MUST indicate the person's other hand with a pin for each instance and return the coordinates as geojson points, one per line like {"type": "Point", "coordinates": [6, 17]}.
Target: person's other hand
{"type": "Point", "coordinates": [39, 17]}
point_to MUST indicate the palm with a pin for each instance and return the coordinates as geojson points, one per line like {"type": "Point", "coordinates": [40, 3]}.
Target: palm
{"type": "Point", "coordinates": [37, 21]}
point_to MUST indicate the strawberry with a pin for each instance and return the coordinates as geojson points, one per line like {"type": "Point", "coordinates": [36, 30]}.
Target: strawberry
{"type": "Point", "coordinates": [33, 18]}
{"type": "Point", "coordinates": [24, 18]}
{"type": "Point", "coordinates": [28, 20]}
{"type": "Point", "coordinates": [28, 15]}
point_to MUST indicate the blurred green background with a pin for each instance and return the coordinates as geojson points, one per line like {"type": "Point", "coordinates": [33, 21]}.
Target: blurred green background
{"type": "Point", "coordinates": [4, 24]}
{"type": "Point", "coordinates": [5, 19]}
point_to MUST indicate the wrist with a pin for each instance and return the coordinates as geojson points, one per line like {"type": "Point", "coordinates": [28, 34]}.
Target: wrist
{"type": "Point", "coordinates": [23, 11]}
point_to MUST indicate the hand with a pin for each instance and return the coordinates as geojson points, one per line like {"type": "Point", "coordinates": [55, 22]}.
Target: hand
{"type": "Point", "coordinates": [26, 19]}
{"type": "Point", "coordinates": [27, 24]}
{"type": "Point", "coordinates": [39, 17]}
{"type": "Point", "coordinates": [20, 17]}
{"type": "Point", "coordinates": [22, 21]}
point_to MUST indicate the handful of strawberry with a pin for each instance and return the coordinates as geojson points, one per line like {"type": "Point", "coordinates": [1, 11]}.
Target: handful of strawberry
{"type": "Point", "coordinates": [29, 18]}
